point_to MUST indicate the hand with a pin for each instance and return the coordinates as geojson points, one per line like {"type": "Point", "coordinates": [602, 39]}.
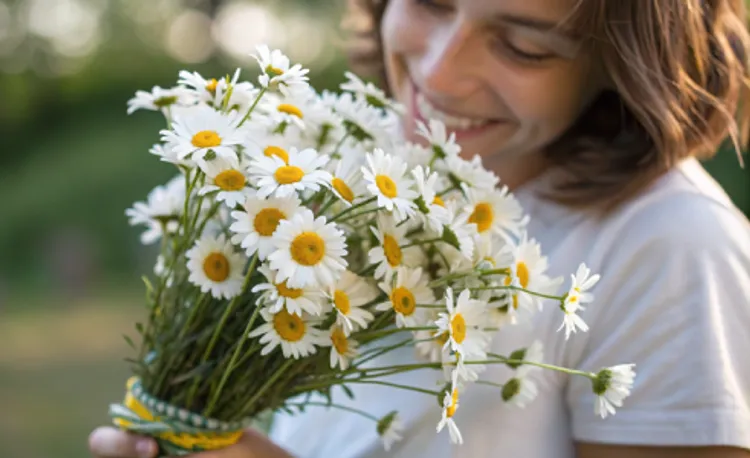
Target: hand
{"type": "Point", "coordinates": [252, 445]}
{"type": "Point", "coordinates": [108, 442]}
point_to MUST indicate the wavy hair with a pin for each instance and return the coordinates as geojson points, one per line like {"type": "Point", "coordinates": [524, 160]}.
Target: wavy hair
{"type": "Point", "coordinates": [679, 72]}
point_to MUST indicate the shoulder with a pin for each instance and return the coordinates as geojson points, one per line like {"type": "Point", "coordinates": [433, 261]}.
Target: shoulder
{"type": "Point", "coordinates": [685, 213]}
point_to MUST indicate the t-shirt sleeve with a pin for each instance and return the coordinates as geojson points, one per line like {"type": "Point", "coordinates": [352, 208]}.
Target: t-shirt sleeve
{"type": "Point", "coordinates": [675, 300]}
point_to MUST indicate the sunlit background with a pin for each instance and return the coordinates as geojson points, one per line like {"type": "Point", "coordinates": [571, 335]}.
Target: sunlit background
{"type": "Point", "coordinates": [71, 161]}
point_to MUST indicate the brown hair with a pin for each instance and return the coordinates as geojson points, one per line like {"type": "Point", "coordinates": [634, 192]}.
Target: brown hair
{"type": "Point", "coordinates": [679, 69]}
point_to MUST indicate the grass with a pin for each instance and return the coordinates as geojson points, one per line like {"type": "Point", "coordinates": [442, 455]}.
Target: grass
{"type": "Point", "coordinates": [59, 371]}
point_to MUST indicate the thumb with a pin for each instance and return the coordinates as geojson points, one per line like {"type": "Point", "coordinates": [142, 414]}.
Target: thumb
{"type": "Point", "coordinates": [108, 442]}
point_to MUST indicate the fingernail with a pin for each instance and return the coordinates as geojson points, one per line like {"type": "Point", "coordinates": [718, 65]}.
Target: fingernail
{"type": "Point", "coordinates": [145, 448]}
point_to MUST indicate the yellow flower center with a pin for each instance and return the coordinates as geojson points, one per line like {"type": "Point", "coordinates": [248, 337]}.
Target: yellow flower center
{"type": "Point", "coordinates": [458, 328]}
{"type": "Point", "coordinates": [267, 220]}
{"type": "Point", "coordinates": [403, 301]}
{"type": "Point", "coordinates": [441, 338]}
{"type": "Point", "coordinates": [341, 301]}
{"type": "Point", "coordinates": [211, 86]}
{"type": "Point", "coordinates": [284, 291]}
{"type": "Point", "coordinates": [230, 180]}
{"type": "Point", "coordinates": [206, 139]}
{"type": "Point", "coordinates": [274, 70]}
{"type": "Point", "coordinates": [290, 327]}
{"type": "Point", "coordinates": [386, 186]}
{"type": "Point", "coordinates": [482, 216]}
{"type": "Point", "coordinates": [451, 410]}
{"type": "Point", "coordinates": [522, 271]}
{"type": "Point", "coordinates": [288, 174]}
{"type": "Point", "coordinates": [339, 340]}
{"type": "Point", "coordinates": [438, 201]}
{"type": "Point", "coordinates": [216, 267]}
{"type": "Point", "coordinates": [573, 298]}
{"type": "Point", "coordinates": [290, 109]}
{"type": "Point", "coordinates": [392, 251]}
{"type": "Point", "coordinates": [344, 191]}
{"type": "Point", "coordinates": [308, 249]}
{"type": "Point", "coordinates": [278, 152]}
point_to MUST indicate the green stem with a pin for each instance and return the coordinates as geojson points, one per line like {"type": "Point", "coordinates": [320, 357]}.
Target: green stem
{"type": "Point", "coordinates": [271, 380]}
{"type": "Point", "coordinates": [327, 205]}
{"type": "Point", "coordinates": [353, 207]}
{"type": "Point", "coordinates": [381, 351]}
{"type": "Point", "coordinates": [252, 107]}
{"type": "Point", "coordinates": [385, 332]}
{"type": "Point", "coordinates": [515, 288]}
{"type": "Point", "coordinates": [217, 331]}
{"type": "Point", "coordinates": [357, 215]}
{"type": "Point", "coordinates": [337, 406]}
{"type": "Point", "coordinates": [421, 242]}
{"type": "Point", "coordinates": [565, 370]}
{"type": "Point", "coordinates": [237, 350]}
{"type": "Point", "coordinates": [446, 191]}
{"type": "Point", "coordinates": [493, 384]}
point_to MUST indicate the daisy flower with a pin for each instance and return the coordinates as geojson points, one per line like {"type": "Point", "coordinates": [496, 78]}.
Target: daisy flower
{"type": "Point", "coordinates": [471, 173]}
{"type": "Point", "coordinates": [390, 429]}
{"type": "Point", "coordinates": [262, 143]}
{"type": "Point", "coordinates": [463, 372]}
{"type": "Point", "coordinates": [457, 231]}
{"type": "Point", "coordinates": [443, 145]}
{"type": "Point", "coordinates": [296, 335]}
{"type": "Point", "coordinates": [450, 405]}
{"type": "Point", "coordinates": [432, 211]}
{"type": "Point", "coordinates": [343, 349]}
{"type": "Point", "coordinates": [430, 344]}
{"type": "Point", "coordinates": [348, 297]}
{"type": "Point", "coordinates": [386, 179]}
{"type": "Point", "coordinates": [347, 183]}
{"type": "Point", "coordinates": [372, 94]}
{"type": "Point", "coordinates": [413, 154]}
{"type": "Point", "coordinates": [201, 129]}
{"type": "Point", "coordinates": [213, 91]}
{"type": "Point", "coordinates": [581, 282]}
{"type": "Point", "coordinates": [281, 112]}
{"type": "Point", "coordinates": [527, 271]}
{"type": "Point", "coordinates": [388, 254]}
{"type": "Point", "coordinates": [309, 251]}
{"type": "Point", "coordinates": [160, 99]}
{"type": "Point", "coordinates": [533, 354]}
{"type": "Point", "coordinates": [463, 323]}
{"type": "Point", "coordinates": [611, 386]}
{"type": "Point", "coordinates": [278, 73]}
{"type": "Point", "coordinates": [362, 121]}
{"type": "Point", "coordinates": [495, 212]}
{"type": "Point", "coordinates": [167, 154]}
{"type": "Point", "coordinates": [519, 391]}
{"type": "Point", "coordinates": [161, 212]}
{"type": "Point", "coordinates": [214, 266]}
{"type": "Point", "coordinates": [303, 171]}
{"type": "Point", "coordinates": [227, 180]}
{"type": "Point", "coordinates": [409, 289]}
{"type": "Point", "coordinates": [257, 222]}
{"type": "Point", "coordinates": [277, 295]}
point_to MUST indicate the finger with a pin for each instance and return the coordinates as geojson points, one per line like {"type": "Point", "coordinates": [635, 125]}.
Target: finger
{"type": "Point", "coordinates": [108, 442]}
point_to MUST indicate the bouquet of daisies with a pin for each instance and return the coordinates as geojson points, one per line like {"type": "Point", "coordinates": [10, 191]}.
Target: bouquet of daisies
{"type": "Point", "coordinates": [299, 235]}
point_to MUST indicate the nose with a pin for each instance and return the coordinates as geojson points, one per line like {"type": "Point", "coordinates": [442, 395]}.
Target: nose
{"type": "Point", "coordinates": [447, 66]}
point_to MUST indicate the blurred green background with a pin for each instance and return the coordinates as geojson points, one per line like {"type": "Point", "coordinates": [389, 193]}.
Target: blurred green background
{"type": "Point", "coordinates": [71, 161]}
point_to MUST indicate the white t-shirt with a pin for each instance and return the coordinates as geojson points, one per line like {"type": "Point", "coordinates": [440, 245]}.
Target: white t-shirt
{"type": "Point", "coordinates": [674, 299]}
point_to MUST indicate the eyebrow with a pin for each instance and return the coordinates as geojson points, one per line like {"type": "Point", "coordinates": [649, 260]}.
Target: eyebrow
{"type": "Point", "coordinates": [533, 23]}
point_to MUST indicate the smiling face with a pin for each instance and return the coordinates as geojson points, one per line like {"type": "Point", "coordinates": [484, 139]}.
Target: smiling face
{"type": "Point", "coordinates": [500, 73]}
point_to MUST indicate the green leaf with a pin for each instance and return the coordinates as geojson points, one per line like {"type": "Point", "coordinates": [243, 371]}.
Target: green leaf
{"type": "Point", "coordinates": [197, 371]}
{"type": "Point", "coordinates": [129, 341]}
{"type": "Point", "coordinates": [348, 391]}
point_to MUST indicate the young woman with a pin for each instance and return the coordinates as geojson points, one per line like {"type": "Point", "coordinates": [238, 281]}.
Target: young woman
{"type": "Point", "coordinates": [593, 112]}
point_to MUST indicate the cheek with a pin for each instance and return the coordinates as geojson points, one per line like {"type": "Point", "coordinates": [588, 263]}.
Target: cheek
{"type": "Point", "coordinates": [546, 102]}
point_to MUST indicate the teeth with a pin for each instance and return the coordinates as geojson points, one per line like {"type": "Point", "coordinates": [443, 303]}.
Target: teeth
{"type": "Point", "coordinates": [428, 111]}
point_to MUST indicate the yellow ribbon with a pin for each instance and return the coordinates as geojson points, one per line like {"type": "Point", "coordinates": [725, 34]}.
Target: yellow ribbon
{"type": "Point", "coordinates": [188, 441]}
